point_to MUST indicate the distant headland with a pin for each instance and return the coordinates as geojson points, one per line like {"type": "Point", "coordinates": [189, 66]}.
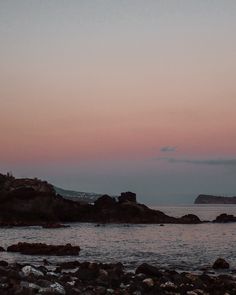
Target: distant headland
{"type": "Point", "coordinates": [210, 199]}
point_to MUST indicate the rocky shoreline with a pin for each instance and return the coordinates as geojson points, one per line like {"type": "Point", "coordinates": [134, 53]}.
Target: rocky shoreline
{"type": "Point", "coordinates": [35, 202]}
{"type": "Point", "coordinates": [74, 278]}
{"type": "Point", "coordinates": [26, 202]}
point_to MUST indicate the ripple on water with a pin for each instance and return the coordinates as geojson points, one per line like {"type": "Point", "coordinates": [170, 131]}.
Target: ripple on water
{"type": "Point", "coordinates": [181, 246]}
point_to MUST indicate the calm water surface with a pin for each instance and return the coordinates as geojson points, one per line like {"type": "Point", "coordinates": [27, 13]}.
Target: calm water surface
{"type": "Point", "coordinates": [186, 247]}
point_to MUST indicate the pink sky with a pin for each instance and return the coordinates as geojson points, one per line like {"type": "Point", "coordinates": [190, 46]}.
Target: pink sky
{"type": "Point", "coordinates": [116, 82]}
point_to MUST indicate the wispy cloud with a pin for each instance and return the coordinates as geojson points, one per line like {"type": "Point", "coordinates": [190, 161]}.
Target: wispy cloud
{"type": "Point", "coordinates": [212, 162]}
{"type": "Point", "coordinates": [166, 149]}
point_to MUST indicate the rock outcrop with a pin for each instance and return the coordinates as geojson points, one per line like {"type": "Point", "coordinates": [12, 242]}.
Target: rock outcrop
{"type": "Point", "coordinates": [190, 218]}
{"type": "Point", "coordinates": [35, 202]}
{"type": "Point", "coordinates": [44, 249]}
{"type": "Point", "coordinates": [225, 218]}
{"type": "Point", "coordinates": [209, 199]}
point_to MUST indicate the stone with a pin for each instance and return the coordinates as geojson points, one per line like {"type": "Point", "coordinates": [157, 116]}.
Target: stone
{"type": "Point", "coordinates": [29, 285]}
{"type": "Point", "coordinates": [29, 270]}
{"type": "Point", "coordinates": [54, 288]}
{"type": "Point", "coordinates": [169, 286]}
{"type": "Point", "coordinates": [220, 263]}
{"type": "Point", "coordinates": [148, 269]}
{"type": "Point", "coordinates": [149, 282]}
{"type": "Point", "coordinates": [88, 271]}
{"type": "Point", "coordinates": [69, 264]}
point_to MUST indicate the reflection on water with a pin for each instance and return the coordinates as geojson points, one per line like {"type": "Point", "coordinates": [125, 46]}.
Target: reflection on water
{"type": "Point", "coordinates": [179, 246]}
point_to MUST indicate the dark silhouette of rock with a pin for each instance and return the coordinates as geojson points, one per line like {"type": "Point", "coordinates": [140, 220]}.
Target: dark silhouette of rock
{"type": "Point", "coordinates": [44, 249]}
{"type": "Point", "coordinates": [210, 199]}
{"type": "Point", "coordinates": [127, 197]}
{"type": "Point", "coordinates": [224, 218]}
{"type": "Point", "coordinates": [105, 201]}
{"type": "Point", "coordinates": [69, 264]}
{"type": "Point", "coordinates": [190, 218]}
{"type": "Point", "coordinates": [220, 263]}
{"type": "Point", "coordinates": [2, 249]}
{"type": "Point", "coordinates": [34, 202]}
{"type": "Point", "coordinates": [3, 263]}
{"type": "Point", "coordinates": [88, 271]}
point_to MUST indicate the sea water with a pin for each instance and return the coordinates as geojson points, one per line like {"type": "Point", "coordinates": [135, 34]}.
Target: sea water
{"type": "Point", "coordinates": [184, 247]}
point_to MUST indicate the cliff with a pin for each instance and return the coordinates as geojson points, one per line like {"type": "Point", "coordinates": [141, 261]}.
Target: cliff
{"type": "Point", "coordinates": [32, 201]}
{"type": "Point", "coordinates": [209, 199]}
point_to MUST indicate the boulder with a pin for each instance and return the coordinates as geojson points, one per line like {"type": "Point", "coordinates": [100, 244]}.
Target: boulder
{"type": "Point", "coordinates": [29, 270]}
{"type": "Point", "coordinates": [69, 264]}
{"type": "Point", "coordinates": [190, 219]}
{"type": "Point", "coordinates": [220, 263]}
{"type": "Point", "coordinates": [224, 218]}
{"type": "Point", "coordinates": [88, 271]}
{"type": "Point", "coordinates": [44, 249]}
{"type": "Point", "coordinates": [54, 288]}
{"type": "Point", "coordinates": [149, 282]}
{"type": "Point", "coordinates": [149, 270]}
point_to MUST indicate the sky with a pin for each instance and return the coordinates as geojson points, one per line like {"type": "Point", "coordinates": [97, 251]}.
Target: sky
{"type": "Point", "coordinates": [108, 96]}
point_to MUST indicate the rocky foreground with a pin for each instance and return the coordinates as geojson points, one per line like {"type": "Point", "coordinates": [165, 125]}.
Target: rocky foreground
{"type": "Point", "coordinates": [74, 278]}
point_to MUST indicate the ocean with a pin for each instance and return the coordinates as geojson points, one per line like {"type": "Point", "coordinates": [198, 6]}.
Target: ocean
{"type": "Point", "coordinates": [182, 247]}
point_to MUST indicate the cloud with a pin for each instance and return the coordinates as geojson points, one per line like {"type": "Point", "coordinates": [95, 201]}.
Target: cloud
{"type": "Point", "coordinates": [167, 149]}
{"type": "Point", "coordinates": [211, 162]}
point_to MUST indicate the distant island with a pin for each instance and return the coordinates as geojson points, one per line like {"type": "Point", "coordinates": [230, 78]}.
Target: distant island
{"type": "Point", "coordinates": [210, 199]}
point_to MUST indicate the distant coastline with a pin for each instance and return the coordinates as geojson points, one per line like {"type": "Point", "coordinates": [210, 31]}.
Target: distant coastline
{"type": "Point", "coordinates": [211, 199]}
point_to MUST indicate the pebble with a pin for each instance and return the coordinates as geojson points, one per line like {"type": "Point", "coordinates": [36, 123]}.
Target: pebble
{"type": "Point", "coordinates": [149, 282]}
{"type": "Point", "coordinates": [168, 285]}
{"type": "Point", "coordinates": [29, 270]}
{"type": "Point", "coordinates": [55, 288]}
{"type": "Point", "coordinates": [109, 279]}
